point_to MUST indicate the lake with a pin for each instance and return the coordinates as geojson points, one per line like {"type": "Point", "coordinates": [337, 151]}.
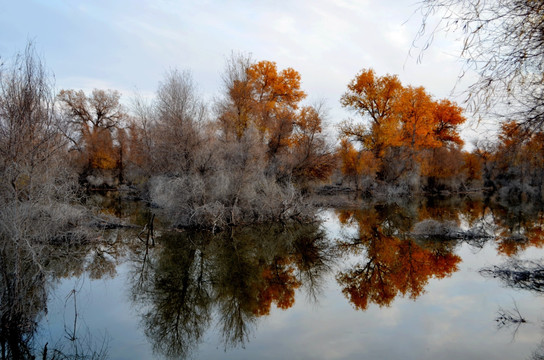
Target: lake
{"type": "Point", "coordinates": [426, 279]}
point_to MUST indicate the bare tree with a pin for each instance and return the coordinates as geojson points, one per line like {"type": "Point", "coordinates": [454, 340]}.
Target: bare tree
{"type": "Point", "coordinates": [36, 196]}
{"type": "Point", "coordinates": [28, 131]}
{"type": "Point", "coordinates": [179, 117]}
{"type": "Point", "coordinates": [503, 40]}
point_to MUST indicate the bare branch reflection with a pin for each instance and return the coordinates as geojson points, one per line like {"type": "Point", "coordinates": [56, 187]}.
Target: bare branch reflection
{"type": "Point", "coordinates": [233, 277]}
{"type": "Point", "coordinates": [519, 274]}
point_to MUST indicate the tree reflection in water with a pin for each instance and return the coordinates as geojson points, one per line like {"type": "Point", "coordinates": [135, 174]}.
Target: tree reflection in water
{"type": "Point", "coordinates": [23, 296]}
{"type": "Point", "coordinates": [191, 282]}
{"type": "Point", "coordinates": [519, 227]}
{"type": "Point", "coordinates": [234, 277]}
{"type": "Point", "coordinates": [519, 274]}
{"type": "Point", "coordinates": [523, 275]}
{"type": "Point", "coordinates": [28, 272]}
{"type": "Point", "coordinates": [392, 260]}
{"type": "Point", "coordinates": [391, 263]}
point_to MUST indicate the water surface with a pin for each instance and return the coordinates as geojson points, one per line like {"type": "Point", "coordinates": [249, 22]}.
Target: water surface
{"type": "Point", "coordinates": [374, 282]}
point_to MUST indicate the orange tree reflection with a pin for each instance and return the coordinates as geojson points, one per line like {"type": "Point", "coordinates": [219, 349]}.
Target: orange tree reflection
{"type": "Point", "coordinates": [393, 264]}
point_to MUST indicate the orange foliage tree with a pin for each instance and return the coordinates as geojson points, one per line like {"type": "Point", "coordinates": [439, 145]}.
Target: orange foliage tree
{"type": "Point", "coordinates": [275, 96]}
{"type": "Point", "coordinates": [400, 123]}
{"type": "Point", "coordinates": [519, 158]}
{"type": "Point", "coordinates": [447, 117]}
{"type": "Point", "coordinates": [259, 96]}
{"type": "Point", "coordinates": [415, 111]}
{"type": "Point", "coordinates": [355, 164]}
{"type": "Point", "coordinates": [372, 98]}
{"type": "Point", "coordinates": [472, 166]}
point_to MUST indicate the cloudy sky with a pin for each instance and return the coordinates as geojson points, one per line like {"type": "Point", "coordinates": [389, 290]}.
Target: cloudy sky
{"type": "Point", "coordinates": [128, 45]}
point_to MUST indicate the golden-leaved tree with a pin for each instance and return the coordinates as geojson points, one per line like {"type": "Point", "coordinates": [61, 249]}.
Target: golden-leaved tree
{"type": "Point", "coordinates": [402, 126]}
{"type": "Point", "coordinates": [258, 97]}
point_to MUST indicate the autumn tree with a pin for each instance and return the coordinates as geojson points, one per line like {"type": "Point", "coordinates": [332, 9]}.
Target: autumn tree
{"type": "Point", "coordinates": [276, 95]}
{"type": "Point", "coordinates": [94, 120]}
{"type": "Point", "coordinates": [415, 111]}
{"type": "Point", "coordinates": [356, 164]}
{"type": "Point", "coordinates": [260, 97]}
{"type": "Point", "coordinates": [444, 168]}
{"type": "Point", "coordinates": [508, 154]}
{"type": "Point", "coordinates": [373, 98]}
{"type": "Point", "coordinates": [442, 161]}
{"type": "Point", "coordinates": [402, 126]}
{"type": "Point", "coordinates": [519, 161]}
{"type": "Point", "coordinates": [258, 94]}
{"type": "Point", "coordinates": [234, 110]}
{"type": "Point", "coordinates": [472, 166]}
{"type": "Point", "coordinates": [448, 116]}
{"type": "Point", "coordinates": [274, 98]}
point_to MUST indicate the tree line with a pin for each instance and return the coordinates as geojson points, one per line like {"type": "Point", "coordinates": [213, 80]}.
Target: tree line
{"type": "Point", "coordinates": [405, 141]}
{"type": "Point", "coordinates": [255, 154]}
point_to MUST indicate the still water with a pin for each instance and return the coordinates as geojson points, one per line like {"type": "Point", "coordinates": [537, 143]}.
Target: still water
{"type": "Point", "coordinates": [459, 278]}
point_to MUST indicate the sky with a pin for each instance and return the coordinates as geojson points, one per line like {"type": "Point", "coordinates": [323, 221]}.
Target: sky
{"type": "Point", "coordinates": [129, 45]}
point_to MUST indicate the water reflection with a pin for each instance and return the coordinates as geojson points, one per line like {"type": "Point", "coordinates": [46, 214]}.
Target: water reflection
{"type": "Point", "coordinates": [519, 274]}
{"type": "Point", "coordinates": [23, 295]}
{"type": "Point", "coordinates": [527, 275]}
{"type": "Point", "coordinates": [388, 262]}
{"type": "Point", "coordinates": [29, 271]}
{"type": "Point", "coordinates": [192, 282]}
{"type": "Point", "coordinates": [234, 277]}
{"type": "Point", "coordinates": [399, 247]}
{"type": "Point", "coordinates": [519, 227]}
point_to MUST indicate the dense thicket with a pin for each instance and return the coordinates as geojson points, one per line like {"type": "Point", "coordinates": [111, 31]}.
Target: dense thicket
{"type": "Point", "coordinates": [249, 160]}
{"type": "Point", "coordinates": [37, 184]}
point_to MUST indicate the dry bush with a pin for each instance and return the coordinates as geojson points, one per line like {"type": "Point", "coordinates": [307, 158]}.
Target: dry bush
{"type": "Point", "coordinates": [189, 203]}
